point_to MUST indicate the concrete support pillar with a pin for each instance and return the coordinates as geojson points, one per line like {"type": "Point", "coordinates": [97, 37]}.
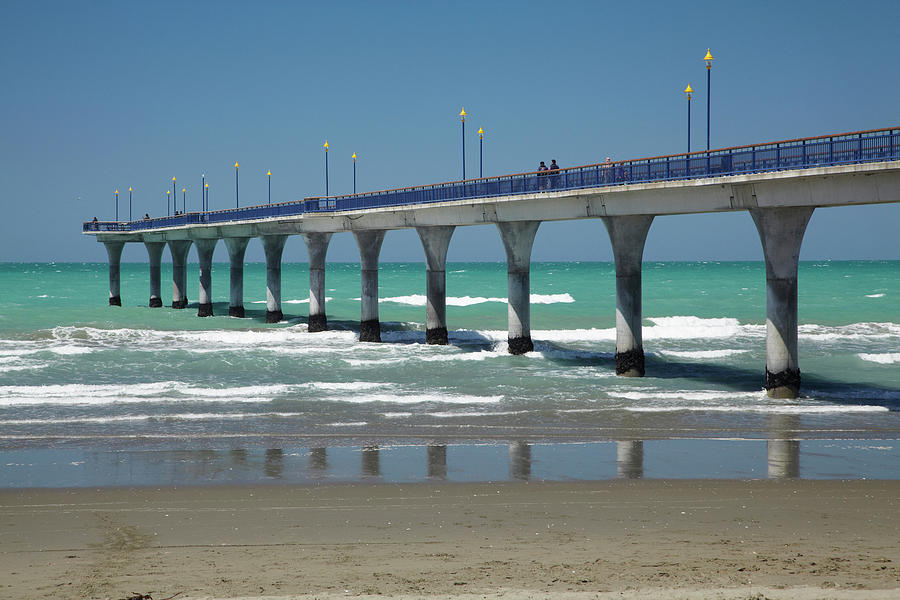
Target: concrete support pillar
{"type": "Point", "coordinates": [518, 239]}
{"type": "Point", "coordinates": [317, 247]}
{"type": "Point", "coordinates": [154, 251]}
{"type": "Point", "coordinates": [436, 241]}
{"type": "Point", "coordinates": [520, 461]}
{"type": "Point", "coordinates": [205, 250]}
{"type": "Point", "coordinates": [783, 447]}
{"type": "Point", "coordinates": [628, 234]}
{"type": "Point", "coordinates": [179, 250]}
{"type": "Point", "coordinates": [369, 243]}
{"type": "Point", "coordinates": [236, 249]}
{"type": "Point", "coordinates": [318, 459]}
{"type": "Point", "coordinates": [114, 251]}
{"type": "Point", "coordinates": [781, 232]}
{"type": "Point", "coordinates": [630, 459]}
{"type": "Point", "coordinates": [437, 462]}
{"type": "Point", "coordinates": [371, 462]}
{"type": "Point", "coordinates": [274, 247]}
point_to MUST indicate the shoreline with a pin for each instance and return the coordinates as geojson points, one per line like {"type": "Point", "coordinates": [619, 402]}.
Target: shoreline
{"type": "Point", "coordinates": [621, 538]}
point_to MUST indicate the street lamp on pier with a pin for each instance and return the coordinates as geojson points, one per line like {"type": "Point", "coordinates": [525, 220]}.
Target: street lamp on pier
{"type": "Point", "coordinates": [326, 166]}
{"type": "Point", "coordinates": [117, 205]}
{"type": "Point", "coordinates": [174, 197]}
{"type": "Point", "coordinates": [206, 189]}
{"type": "Point", "coordinates": [237, 203]}
{"type": "Point", "coordinates": [480, 152]}
{"type": "Point", "coordinates": [354, 172]}
{"type": "Point", "coordinates": [168, 202]}
{"type": "Point", "coordinates": [462, 118]}
{"type": "Point", "coordinates": [708, 59]}
{"type": "Point", "coordinates": [689, 91]}
{"type": "Point", "coordinates": [129, 203]}
{"type": "Point", "coordinates": [203, 192]}
{"type": "Point", "coordinates": [269, 175]}
{"type": "Point", "coordinates": [183, 200]}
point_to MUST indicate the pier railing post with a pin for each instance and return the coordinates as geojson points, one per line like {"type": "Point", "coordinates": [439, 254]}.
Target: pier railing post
{"type": "Point", "coordinates": [205, 249]}
{"type": "Point", "coordinates": [781, 232]}
{"type": "Point", "coordinates": [114, 252]}
{"type": "Point", "coordinates": [273, 245]}
{"type": "Point", "coordinates": [369, 243]}
{"type": "Point", "coordinates": [237, 247]}
{"type": "Point", "coordinates": [518, 239]}
{"type": "Point", "coordinates": [154, 253]}
{"type": "Point", "coordinates": [628, 235]}
{"type": "Point", "coordinates": [317, 248]}
{"type": "Point", "coordinates": [435, 242]}
{"type": "Point", "coordinates": [179, 250]}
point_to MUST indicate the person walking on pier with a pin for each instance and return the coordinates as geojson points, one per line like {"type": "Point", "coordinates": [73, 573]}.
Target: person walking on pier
{"type": "Point", "coordinates": [554, 174]}
{"type": "Point", "coordinates": [542, 175]}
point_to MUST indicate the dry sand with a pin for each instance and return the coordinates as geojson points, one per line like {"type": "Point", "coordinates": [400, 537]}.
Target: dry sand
{"type": "Point", "coordinates": [568, 541]}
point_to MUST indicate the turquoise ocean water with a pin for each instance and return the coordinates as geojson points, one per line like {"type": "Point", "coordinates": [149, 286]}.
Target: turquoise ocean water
{"type": "Point", "coordinates": [99, 395]}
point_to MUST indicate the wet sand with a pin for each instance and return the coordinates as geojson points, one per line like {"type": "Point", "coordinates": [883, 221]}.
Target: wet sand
{"type": "Point", "coordinates": [606, 539]}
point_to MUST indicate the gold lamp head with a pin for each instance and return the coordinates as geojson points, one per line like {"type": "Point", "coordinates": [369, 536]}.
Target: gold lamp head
{"type": "Point", "coordinates": [168, 193]}
{"type": "Point", "coordinates": [236, 165]}
{"type": "Point", "coordinates": [688, 91]}
{"type": "Point", "coordinates": [207, 186]}
{"type": "Point", "coordinates": [354, 157]}
{"type": "Point", "coordinates": [117, 192]}
{"type": "Point", "coordinates": [173, 179]}
{"type": "Point", "coordinates": [480, 132]}
{"type": "Point", "coordinates": [129, 188]}
{"type": "Point", "coordinates": [462, 115]}
{"type": "Point", "coordinates": [708, 58]}
{"type": "Point", "coordinates": [326, 146]}
{"type": "Point", "coordinates": [269, 174]}
{"type": "Point", "coordinates": [183, 190]}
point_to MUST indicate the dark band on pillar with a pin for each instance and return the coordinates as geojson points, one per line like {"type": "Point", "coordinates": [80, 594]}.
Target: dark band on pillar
{"type": "Point", "coordinates": [436, 336]}
{"type": "Point", "coordinates": [205, 310]}
{"type": "Point", "coordinates": [630, 362]}
{"type": "Point", "coordinates": [236, 311]}
{"type": "Point", "coordinates": [318, 323]}
{"type": "Point", "coordinates": [520, 345]}
{"type": "Point", "coordinates": [180, 303]}
{"type": "Point", "coordinates": [115, 300]}
{"type": "Point", "coordinates": [274, 316]}
{"type": "Point", "coordinates": [789, 378]}
{"type": "Point", "coordinates": [155, 302]}
{"type": "Point", "coordinates": [370, 331]}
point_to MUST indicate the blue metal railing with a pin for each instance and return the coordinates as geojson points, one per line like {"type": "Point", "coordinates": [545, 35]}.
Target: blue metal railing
{"type": "Point", "coordinates": [877, 145]}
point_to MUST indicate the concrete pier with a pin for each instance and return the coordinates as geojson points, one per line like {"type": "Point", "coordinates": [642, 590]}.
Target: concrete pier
{"type": "Point", "coordinates": [317, 248]}
{"type": "Point", "coordinates": [273, 245]}
{"type": "Point", "coordinates": [435, 242]}
{"type": "Point", "coordinates": [371, 461]}
{"type": "Point", "coordinates": [237, 247]}
{"type": "Point", "coordinates": [630, 459]}
{"type": "Point", "coordinates": [114, 251]}
{"type": "Point", "coordinates": [369, 243]}
{"type": "Point", "coordinates": [154, 252]}
{"type": "Point", "coordinates": [179, 250]}
{"type": "Point", "coordinates": [781, 232]}
{"type": "Point", "coordinates": [627, 235]}
{"type": "Point", "coordinates": [205, 249]}
{"type": "Point", "coordinates": [518, 239]}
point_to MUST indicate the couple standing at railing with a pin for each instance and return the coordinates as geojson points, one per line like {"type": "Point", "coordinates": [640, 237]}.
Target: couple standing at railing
{"type": "Point", "coordinates": [548, 177]}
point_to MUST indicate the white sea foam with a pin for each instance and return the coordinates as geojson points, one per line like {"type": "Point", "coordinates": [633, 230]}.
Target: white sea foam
{"type": "Point", "coordinates": [702, 353]}
{"type": "Point", "coordinates": [760, 408]}
{"type": "Point", "coordinates": [882, 359]}
{"type": "Point", "coordinates": [349, 386]}
{"type": "Point", "coordinates": [163, 391]}
{"type": "Point", "coordinates": [420, 300]}
{"type": "Point", "coordinates": [874, 295]}
{"type": "Point", "coordinates": [694, 395]}
{"type": "Point", "coordinates": [429, 397]}
{"type": "Point", "coordinates": [854, 331]}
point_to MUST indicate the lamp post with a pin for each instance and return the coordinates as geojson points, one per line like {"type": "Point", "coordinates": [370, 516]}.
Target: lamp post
{"type": "Point", "coordinates": [117, 205]}
{"type": "Point", "coordinates": [206, 189]}
{"type": "Point", "coordinates": [708, 59]}
{"type": "Point", "coordinates": [174, 197]}
{"type": "Point", "coordinates": [462, 118]}
{"type": "Point", "coordinates": [168, 201]}
{"type": "Point", "coordinates": [237, 203]}
{"type": "Point", "coordinates": [480, 152]}
{"type": "Point", "coordinates": [269, 175]}
{"type": "Point", "coordinates": [183, 200]}
{"type": "Point", "coordinates": [689, 91]}
{"type": "Point", "coordinates": [129, 203]}
{"type": "Point", "coordinates": [354, 172]}
{"type": "Point", "coordinates": [203, 192]}
{"type": "Point", "coordinates": [326, 166]}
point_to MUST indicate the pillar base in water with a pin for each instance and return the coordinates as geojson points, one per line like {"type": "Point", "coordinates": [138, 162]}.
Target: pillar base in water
{"type": "Point", "coordinates": [370, 331]}
{"type": "Point", "coordinates": [520, 345]}
{"type": "Point", "coordinates": [318, 323]}
{"type": "Point", "coordinates": [205, 310]}
{"type": "Point", "coordinates": [115, 301]}
{"type": "Point", "coordinates": [784, 385]}
{"type": "Point", "coordinates": [274, 316]}
{"type": "Point", "coordinates": [179, 303]}
{"type": "Point", "coordinates": [236, 311]}
{"type": "Point", "coordinates": [630, 363]}
{"type": "Point", "coordinates": [436, 336]}
{"type": "Point", "coordinates": [155, 302]}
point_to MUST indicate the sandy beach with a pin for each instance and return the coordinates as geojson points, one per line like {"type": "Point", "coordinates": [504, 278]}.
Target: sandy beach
{"type": "Point", "coordinates": [608, 539]}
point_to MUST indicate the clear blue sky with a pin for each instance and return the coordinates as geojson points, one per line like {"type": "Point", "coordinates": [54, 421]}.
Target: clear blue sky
{"type": "Point", "coordinates": [103, 95]}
